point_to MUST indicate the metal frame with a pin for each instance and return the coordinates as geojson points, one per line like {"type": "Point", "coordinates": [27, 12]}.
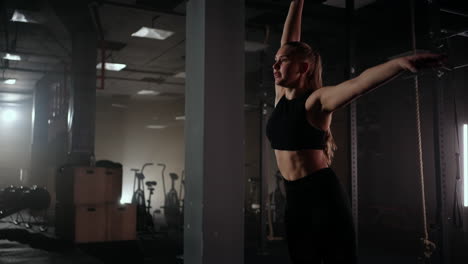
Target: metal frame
{"type": "Point", "coordinates": [439, 144]}
{"type": "Point", "coordinates": [350, 72]}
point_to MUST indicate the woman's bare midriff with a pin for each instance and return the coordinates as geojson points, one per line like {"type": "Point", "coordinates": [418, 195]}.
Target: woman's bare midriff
{"type": "Point", "coordinates": [294, 165]}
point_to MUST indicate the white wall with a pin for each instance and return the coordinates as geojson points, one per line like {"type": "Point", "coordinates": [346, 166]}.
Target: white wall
{"type": "Point", "coordinates": [15, 144]}
{"type": "Point", "coordinates": [122, 136]}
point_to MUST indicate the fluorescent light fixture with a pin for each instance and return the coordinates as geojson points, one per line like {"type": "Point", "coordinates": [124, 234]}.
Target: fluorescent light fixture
{"type": "Point", "coordinates": [119, 106]}
{"type": "Point", "coordinates": [9, 81]}
{"type": "Point", "coordinates": [111, 66]}
{"type": "Point", "coordinates": [252, 46]}
{"type": "Point", "coordinates": [12, 57]}
{"type": "Point", "coordinates": [9, 115]}
{"type": "Point", "coordinates": [22, 17]}
{"type": "Point", "coordinates": [156, 126]}
{"type": "Point", "coordinates": [179, 75]}
{"type": "Point", "coordinates": [180, 118]}
{"type": "Point", "coordinates": [465, 164]}
{"type": "Point", "coordinates": [148, 92]}
{"type": "Point", "coordinates": [152, 33]}
{"type": "Point", "coordinates": [11, 97]}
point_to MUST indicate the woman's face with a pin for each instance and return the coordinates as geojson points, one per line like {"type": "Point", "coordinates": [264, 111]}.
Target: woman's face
{"type": "Point", "coordinates": [286, 69]}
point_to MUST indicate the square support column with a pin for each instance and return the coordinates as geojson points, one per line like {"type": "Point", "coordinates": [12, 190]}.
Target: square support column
{"type": "Point", "coordinates": [214, 133]}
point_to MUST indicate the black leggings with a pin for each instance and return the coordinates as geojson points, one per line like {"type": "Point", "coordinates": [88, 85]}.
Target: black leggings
{"type": "Point", "coordinates": [319, 224]}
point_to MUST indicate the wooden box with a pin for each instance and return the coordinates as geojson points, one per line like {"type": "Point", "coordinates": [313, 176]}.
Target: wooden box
{"type": "Point", "coordinates": [89, 185]}
{"type": "Point", "coordinates": [113, 191]}
{"type": "Point", "coordinates": [121, 222]}
{"type": "Point", "coordinates": [81, 223]}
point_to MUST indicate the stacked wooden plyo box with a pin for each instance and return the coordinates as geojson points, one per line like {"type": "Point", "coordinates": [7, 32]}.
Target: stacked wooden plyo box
{"type": "Point", "coordinates": [88, 206]}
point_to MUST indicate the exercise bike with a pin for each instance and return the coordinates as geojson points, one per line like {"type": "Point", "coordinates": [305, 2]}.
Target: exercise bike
{"type": "Point", "coordinates": [150, 185]}
{"type": "Point", "coordinates": [144, 219]}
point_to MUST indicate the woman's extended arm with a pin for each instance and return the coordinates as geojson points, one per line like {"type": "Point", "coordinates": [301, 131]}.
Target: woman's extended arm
{"type": "Point", "coordinates": [291, 32]}
{"type": "Point", "coordinates": [292, 25]}
{"type": "Point", "coordinates": [333, 97]}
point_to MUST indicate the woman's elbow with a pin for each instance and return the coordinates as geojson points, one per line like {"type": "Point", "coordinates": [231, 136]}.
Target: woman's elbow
{"type": "Point", "coordinates": [331, 102]}
{"type": "Point", "coordinates": [328, 103]}
{"type": "Point", "coordinates": [330, 107]}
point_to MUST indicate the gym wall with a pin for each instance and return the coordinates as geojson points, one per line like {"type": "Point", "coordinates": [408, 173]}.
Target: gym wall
{"type": "Point", "coordinates": [15, 145]}
{"type": "Point", "coordinates": [122, 136]}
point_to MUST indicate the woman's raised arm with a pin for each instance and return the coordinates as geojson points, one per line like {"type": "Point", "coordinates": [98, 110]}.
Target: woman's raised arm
{"type": "Point", "coordinates": [292, 25]}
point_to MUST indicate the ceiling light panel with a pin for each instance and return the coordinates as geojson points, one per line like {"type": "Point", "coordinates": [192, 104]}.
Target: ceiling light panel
{"type": "Point", "coordinates": [180, 75]}
{"type": "Point", "coordinates": [152, 33]}
{"type": "Point", "coordinates": [119, 106]}
{"type": "Point", "coordinates": [12, 97]}
{"type": "Point", "coordinates": [156, 126]}
{"type": "Point", "coordinates": [252, 46]}
{"type": "Point", "coordinates": [13, 57]}
{"type": "Point", "coordinates": [148, 92]}
{"type": "Point", "coordinates": [111, 66]}
{"type": "Point", "coordinates": [9, 81]}
{"type": "Point", "coordinates": [22, 16]}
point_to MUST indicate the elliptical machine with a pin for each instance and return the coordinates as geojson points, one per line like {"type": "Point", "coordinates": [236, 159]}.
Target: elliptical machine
{"type": "Point", "coordinates": [150, 185]}
{"type": "Point", "coordinates": [144, 219]}
{"type": "Point", "coordinates": [182, 190]}
{"type": "Point", "coordinates": [172, 206]}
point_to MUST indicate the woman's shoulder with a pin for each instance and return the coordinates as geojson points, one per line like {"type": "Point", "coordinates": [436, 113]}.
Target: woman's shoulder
{"type": "Point", "coordinates": [279, 93]}
{"type": "Point", "coordinates": [313, 98]}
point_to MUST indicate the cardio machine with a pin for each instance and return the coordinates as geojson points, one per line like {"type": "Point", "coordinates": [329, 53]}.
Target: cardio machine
{"type": "Point", "coordinates": [144, 219]}
{"type": "Point", "coordinates": [172, 202]}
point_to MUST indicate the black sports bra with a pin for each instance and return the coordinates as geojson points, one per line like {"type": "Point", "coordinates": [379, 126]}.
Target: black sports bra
{"type": "Point", "coordinates": [288, 128]}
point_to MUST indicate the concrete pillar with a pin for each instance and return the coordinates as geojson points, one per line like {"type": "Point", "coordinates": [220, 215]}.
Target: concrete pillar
{"type": "Point", "coordinates": [76, 17]}
{"type": "Point", "coordinates": [214, 162]}
{"type": "Point", "coordinates": [83, 95]}
{"type": "Point", "coordinates": [39, 135]}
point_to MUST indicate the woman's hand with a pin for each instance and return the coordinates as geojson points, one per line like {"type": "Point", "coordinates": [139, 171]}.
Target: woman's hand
{"type": "Point", "coordinates": [420, 61]}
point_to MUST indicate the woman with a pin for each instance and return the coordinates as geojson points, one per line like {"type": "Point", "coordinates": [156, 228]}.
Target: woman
{"type": "Point", "coordinates": [319, 226]}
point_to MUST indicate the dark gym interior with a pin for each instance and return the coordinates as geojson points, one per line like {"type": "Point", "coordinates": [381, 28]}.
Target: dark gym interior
{"type": "Point", "coordinates": [160, 156]}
